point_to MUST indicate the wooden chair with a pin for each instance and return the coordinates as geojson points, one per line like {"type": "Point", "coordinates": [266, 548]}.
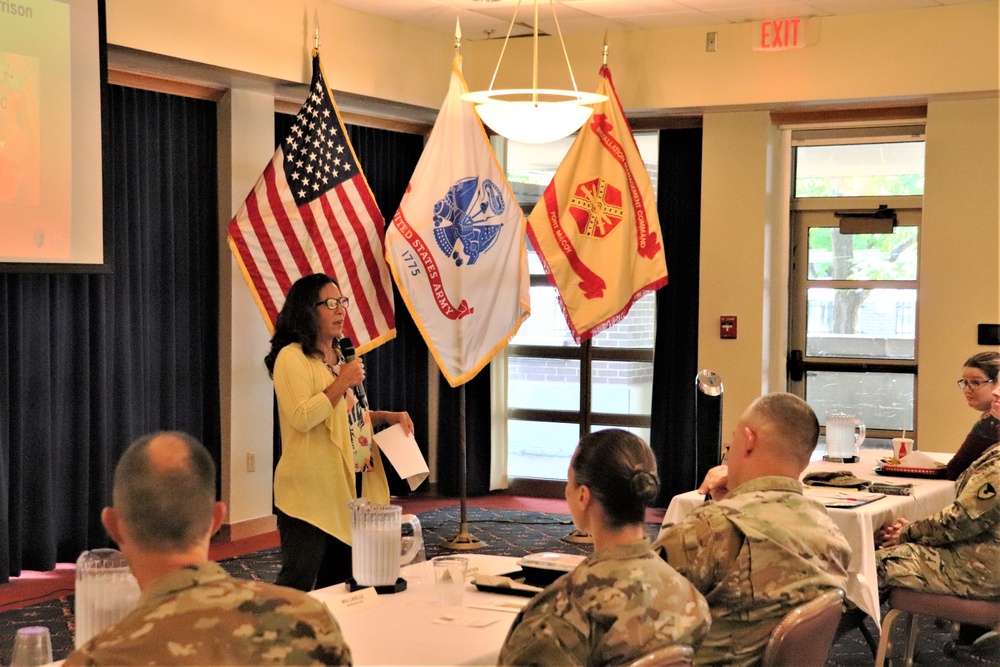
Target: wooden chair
{"type": "Point", "coordinates": [678, 655]}
{"type": "Point", "coordinates": [804, 636]}
{"type": "Point", "coordinates": [947, 607]}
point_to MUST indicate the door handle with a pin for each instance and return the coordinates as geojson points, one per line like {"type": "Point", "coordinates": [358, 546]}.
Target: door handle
{"type": "Point", "coordinates": [796, 367]}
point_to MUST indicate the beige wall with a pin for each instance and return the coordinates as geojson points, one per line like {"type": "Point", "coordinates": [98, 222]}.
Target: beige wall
{"type": "Point", "coordinates": [274, 39]}
{"type": "Point", "coordinates": [914, 53]}
{"type": "Point", "coordinates": [945, 55]}
{"type": "Point", "coordinates": [959, 261]}
{"type": "Point", "coordinates": [246, 143]}
{"type": "Point", "coordinates": [742, 235]}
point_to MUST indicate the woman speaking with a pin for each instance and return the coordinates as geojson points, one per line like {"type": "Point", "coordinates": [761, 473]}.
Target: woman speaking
{"type": "Point", "coordinates": [328, 456]}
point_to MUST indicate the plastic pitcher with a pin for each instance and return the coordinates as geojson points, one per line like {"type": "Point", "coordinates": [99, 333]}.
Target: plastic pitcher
{"type": "Point", "coordinates": [377, 544]}
{"type": "Point", "coordinates": [106, 591]}
{"type": "Point", "coordinates": [844, 434]}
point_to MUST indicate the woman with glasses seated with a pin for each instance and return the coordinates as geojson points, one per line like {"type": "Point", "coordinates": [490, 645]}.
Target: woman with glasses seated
{"type": "Point", "coordinates": [623, 601]}
{"type": "Point", "coordinates": [979, 377]}
{"type": "Point", "coordinates": [328, 456]}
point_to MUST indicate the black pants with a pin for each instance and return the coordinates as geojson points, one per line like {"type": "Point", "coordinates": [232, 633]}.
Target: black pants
{"type": "Point", "coordinates": [310, 557]}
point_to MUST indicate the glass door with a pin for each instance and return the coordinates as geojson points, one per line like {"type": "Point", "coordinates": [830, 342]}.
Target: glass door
{"type": "Point", "coordinates": [853, 320]}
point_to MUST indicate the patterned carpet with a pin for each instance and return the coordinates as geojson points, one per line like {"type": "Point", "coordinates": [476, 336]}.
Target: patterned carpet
{"type": "Point", "coordinates": [505, 533]}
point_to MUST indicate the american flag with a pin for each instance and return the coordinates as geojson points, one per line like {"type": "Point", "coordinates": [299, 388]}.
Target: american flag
{"type": "Point", "coordinates": [312, 211]}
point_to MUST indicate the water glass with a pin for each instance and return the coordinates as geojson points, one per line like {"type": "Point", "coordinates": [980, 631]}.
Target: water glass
{"type": "Point", "coordinates": [32, 647]}
{"type": "Point", "coordinates": [449, 579]}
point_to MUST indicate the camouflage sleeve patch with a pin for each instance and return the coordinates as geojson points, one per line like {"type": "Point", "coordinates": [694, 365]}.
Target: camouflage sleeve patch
{"type": "Point", "coordinates": [985, 500]}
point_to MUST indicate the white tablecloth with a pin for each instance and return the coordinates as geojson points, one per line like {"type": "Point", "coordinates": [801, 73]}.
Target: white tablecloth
{"type": "Point", "coordinates": [400, 629]}
{"type": "Point", "coordinates": [860, 524]}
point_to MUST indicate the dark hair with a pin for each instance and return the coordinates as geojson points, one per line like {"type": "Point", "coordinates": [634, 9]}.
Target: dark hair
{"type": "Point", "coordinates": [987, 362]}
{"type": "Point", "coordinates": [297, 322]}
{"type": "Point", "coordinates": [166, 507]}
{"type": "Point", "coordinates": [793, 420]}
{"type": "Point", "coordinates": [620, 470]}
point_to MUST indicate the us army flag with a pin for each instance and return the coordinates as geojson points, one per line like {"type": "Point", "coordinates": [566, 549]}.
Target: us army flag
{"type": "Point", "coordinates": [596, 228]}
{"type": "Point", "coordinates": [456, 245]}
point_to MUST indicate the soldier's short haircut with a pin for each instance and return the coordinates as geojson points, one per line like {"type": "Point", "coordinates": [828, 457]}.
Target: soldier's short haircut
{"type": "Point", "coordinates": [620, 470]}
{"type": "Point", "coordinates": [167, 508]}
{"type": "Point", "coordinates": [794, 422]}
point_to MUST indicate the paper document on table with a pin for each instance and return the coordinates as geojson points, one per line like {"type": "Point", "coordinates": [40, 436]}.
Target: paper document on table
{"type": "Point", "coordinates": [513, 605]}
{"type": "Point", "coordinates": [465, 621]}
{"type": "Point", "coordinates": [845, 499]}
{"type": "Point", "coordinates": [404, 454]}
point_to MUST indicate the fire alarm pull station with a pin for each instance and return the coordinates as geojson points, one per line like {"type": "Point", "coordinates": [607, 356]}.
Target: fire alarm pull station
{"type": "Point", "coordinates": [727, 326]}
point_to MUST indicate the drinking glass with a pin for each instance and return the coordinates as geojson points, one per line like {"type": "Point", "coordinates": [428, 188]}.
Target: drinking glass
{"type": "Point", "coordinates": [32, 647]}
{"type": "Point", "coordinates": [449, 579]}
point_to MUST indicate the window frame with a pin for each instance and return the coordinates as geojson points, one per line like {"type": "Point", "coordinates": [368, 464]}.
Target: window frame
{"type": "Point", "coordinates": [907, 127]}
{"type": "Point", "coordinates": [585, 353]}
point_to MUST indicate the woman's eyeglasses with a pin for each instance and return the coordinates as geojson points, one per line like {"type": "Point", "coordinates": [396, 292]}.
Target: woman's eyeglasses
{"type": "Point", "coordinates": [333, 302]}
{"type": "Point", "coordinates": [975, 384]}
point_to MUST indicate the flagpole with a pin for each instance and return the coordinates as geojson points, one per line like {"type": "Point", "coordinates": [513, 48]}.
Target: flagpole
{"type": "Point", "coordinates": [464, 541]}
{"type": "Point", "coordinates": [577, 536]}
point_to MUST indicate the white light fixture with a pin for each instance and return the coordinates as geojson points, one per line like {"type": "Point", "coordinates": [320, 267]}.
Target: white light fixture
{"type": "Point", "coordinates": [534, 116]}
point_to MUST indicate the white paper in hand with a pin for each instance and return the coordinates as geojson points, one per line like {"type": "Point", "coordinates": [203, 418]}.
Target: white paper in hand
{"type": "Point", "coordinates": [404, 453]}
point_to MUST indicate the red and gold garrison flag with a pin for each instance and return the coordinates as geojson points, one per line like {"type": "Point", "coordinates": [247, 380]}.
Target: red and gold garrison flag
{"type": "Point", "coordinates": [595, 228]}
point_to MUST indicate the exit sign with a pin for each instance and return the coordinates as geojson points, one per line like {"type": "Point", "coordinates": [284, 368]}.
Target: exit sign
{"type": "Point", "coordinates": [779, 34]}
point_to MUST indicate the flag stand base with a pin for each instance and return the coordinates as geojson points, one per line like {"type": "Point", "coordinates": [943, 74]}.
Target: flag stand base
{"type": "Point", "coordinates": [464, 541]}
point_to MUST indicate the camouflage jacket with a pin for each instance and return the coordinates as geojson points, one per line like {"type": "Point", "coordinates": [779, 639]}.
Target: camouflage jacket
{"type": "Point", "coordinates": [756, 555]}
{"type": "Point", "coordinates": [199, 615]}
{"type": "Point", "coordinates": [968, 530]}
{"type": "Point", "coordinates": [619, 604]}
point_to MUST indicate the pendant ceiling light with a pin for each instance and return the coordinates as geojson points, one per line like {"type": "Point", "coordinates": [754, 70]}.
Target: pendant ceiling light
{"type": "Point", "coordinates": [533, 115]}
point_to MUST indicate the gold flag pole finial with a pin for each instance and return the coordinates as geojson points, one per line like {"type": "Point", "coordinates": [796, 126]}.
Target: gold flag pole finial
{"type": "Point", "coordinates": [605, 54]}
{"type": "Point", "coordinates": [316, 40]}
{"type": "Point", "coordinates": [458, 36]}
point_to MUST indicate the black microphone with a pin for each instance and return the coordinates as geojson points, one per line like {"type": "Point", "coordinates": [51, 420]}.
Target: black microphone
{"type": "Point", "coordinates": [347, 349]}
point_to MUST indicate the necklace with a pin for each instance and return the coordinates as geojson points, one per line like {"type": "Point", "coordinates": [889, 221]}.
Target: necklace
{"type": "Point", "coordinates": [331, 359]}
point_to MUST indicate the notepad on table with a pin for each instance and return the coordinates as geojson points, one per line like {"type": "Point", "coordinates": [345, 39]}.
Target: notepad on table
{"type": "Point", "coordinates": [841, 499]}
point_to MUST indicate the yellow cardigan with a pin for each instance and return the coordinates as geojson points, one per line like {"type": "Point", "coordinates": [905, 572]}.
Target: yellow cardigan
{"type": "Point", "coordinates": [314, 479]}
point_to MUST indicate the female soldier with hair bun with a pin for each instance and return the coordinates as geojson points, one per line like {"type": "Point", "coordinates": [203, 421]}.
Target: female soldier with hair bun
{"type": "Point", "coordinates": [623, 601]}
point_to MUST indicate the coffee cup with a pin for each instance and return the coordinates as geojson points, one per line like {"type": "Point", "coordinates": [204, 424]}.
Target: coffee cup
{"type": "Point", "coordinates": [902, 447]}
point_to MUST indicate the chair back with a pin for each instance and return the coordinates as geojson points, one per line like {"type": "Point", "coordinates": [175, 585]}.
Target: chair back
{"type": "Point", "coordinates": [804, 636]}
{"type": "Point", "coordinates": [678, 655]}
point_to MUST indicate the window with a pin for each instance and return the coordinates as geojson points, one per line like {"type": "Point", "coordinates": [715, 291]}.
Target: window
{"type": "Point", "coordinates": [853, 294]}
{"type": "Point", "coordinates": [557, 390]}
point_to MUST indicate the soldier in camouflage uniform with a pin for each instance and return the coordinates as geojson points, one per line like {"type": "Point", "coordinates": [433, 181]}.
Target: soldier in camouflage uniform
{"type": "Point", "coordinates": [191, 612]}
{"type": "Point", "coordinates": [623, 601]}
{"type": "Point", "coordinates": [762, 549]}
{"type": "Point", "coordinates": [955, 551]}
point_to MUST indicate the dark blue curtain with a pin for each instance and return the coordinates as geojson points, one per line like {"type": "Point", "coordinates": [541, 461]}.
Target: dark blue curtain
{"type": "Point", "coordinates": [675, 364]}
{"type": "Point", "coordinates": [90, 362]}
